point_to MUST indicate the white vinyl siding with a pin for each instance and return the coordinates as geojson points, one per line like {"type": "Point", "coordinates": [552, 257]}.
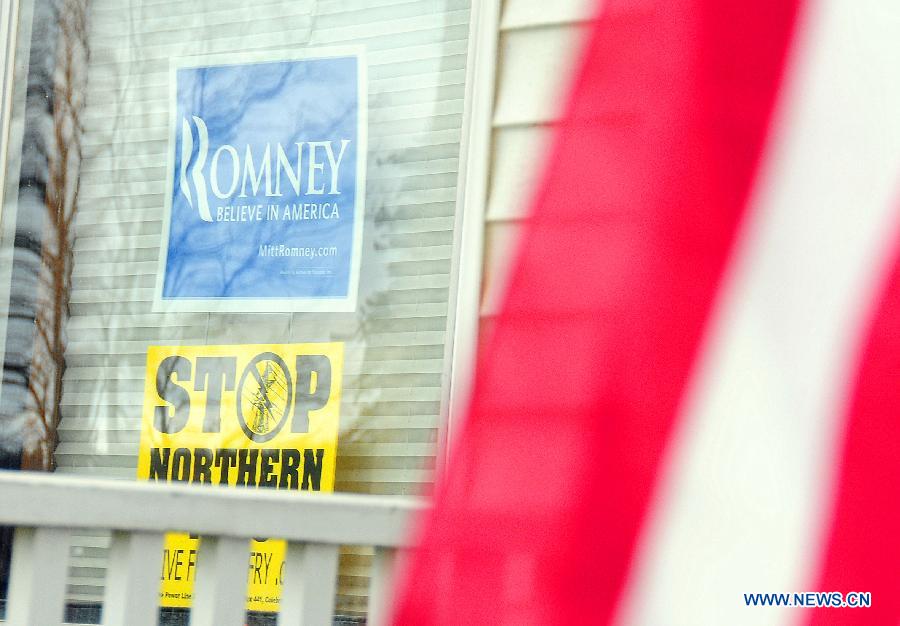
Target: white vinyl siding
{"type": "Point", "coordinates": [537, 49]}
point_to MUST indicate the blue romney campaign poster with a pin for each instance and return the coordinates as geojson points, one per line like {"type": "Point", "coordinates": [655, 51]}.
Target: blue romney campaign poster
{"type": "Point", "coordinates": [266, 183]}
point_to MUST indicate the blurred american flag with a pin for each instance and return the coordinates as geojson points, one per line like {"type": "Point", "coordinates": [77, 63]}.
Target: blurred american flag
{"type": "Point", "coordinates": [693, 389]}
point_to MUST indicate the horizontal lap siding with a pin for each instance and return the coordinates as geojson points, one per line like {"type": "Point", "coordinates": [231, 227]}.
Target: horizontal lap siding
{"type": "Point", "coordinates": [537, 46]}
{"type": "Point", "coordinates": [393, 376]}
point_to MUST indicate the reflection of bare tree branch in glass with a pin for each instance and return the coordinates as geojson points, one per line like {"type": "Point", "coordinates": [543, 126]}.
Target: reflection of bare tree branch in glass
{"type": "Point", "coordinates": [61, 201]}
{"type": "Point", "coordinates": [219, 112]}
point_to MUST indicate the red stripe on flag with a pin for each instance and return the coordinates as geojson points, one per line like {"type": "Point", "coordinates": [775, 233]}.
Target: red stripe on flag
{"type": "Point", "coordinates": [577, 391]}
{"type": "Point", "coordinates": [863, 550]}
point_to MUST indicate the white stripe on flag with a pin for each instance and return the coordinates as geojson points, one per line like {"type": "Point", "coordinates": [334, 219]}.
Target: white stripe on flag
{"type": "Point", "coordinates": [742, 505]}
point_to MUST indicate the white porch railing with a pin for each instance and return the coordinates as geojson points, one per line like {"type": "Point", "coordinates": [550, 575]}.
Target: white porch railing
{"type": "Point", "coordinates": [46, 509]}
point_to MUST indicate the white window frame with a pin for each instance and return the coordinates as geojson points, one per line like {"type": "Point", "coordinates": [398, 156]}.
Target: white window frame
{"type": "Point", "coordinates": [463, 317]}
{"type": "Point", "coordinates": [15, 27]}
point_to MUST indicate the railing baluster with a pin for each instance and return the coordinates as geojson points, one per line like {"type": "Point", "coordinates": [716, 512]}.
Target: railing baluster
{"type": "Point", "coordinates": [381, 585]}
{"type": "Point", "coordinates": [220, 589]}
{"type": "Point", "coordinates": [37, 583]}
{"type": "Point", "coordinates": [308, 589]}
{"type": "Point", "coordinates": [132, 579]}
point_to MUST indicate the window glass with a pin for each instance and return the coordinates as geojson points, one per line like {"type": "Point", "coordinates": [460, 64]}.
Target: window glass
{"type": "Point", "coordinates": [229, 226]}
